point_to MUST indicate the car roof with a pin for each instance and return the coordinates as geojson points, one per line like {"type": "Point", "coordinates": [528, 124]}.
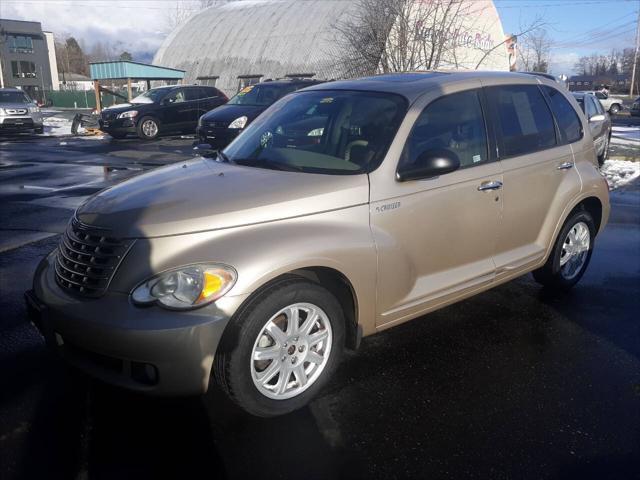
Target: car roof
{"type": "Point", "coordinates": [413, 84]}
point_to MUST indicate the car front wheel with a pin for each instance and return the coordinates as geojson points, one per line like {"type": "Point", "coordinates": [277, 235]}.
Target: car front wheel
{"type": "Point", "coordinates": [281, 349]}
{"type": "Point", "coordinates": [615, 108]}
{"type": "Point", "coordinates": [571, 253]}
{"type": "Point", "coordinates": [148, 128]}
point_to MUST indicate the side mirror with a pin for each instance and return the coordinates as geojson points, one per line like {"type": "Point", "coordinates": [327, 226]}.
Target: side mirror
{"type": "Point", "coordinates": [596, 118]}
{"type": "Point", "coordinates": [431, 163]}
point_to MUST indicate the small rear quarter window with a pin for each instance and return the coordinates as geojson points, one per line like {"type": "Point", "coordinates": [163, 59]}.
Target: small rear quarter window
{"type": "Point", "coordinates": [567, 118]}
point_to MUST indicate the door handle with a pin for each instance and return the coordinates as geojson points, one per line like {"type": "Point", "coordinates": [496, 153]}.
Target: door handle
{"type": "Point", "coordinates": [493, 185]}
{"type": "Point", "coordinates": [565, 166]}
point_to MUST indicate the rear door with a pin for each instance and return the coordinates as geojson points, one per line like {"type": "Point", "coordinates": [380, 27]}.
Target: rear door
{"type": "Point", "coordinates": [539, 178]}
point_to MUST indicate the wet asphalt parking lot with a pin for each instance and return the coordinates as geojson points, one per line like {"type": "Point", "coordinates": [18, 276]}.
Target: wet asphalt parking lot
{"type": "Point", "coordinates": [517, 382]}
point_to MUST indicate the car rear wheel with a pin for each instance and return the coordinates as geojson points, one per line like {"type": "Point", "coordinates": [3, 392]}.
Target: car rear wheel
{"type": "Point", "coordinates": [571, 253]}
{"type": "Point", "coordinates": [148, 128]}
{"type": "Point", "coordinates": [613, 109]}
{"type": "Point", "coordinates": [281, 349]}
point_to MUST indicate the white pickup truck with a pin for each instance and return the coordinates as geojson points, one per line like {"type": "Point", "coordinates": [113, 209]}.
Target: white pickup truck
{"type": "Point", "coordinates": [611, 104]}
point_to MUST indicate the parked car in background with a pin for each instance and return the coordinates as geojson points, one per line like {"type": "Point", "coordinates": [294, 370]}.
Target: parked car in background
{"type": "Point", "coordinates": [161, 110]}
{"type": "Point", "coordinates": [635, 108]}
{"type": "Point", "coordinates": [343, 210]}
{"type": "Point", "coordinates": [18, 113]}
{"type": "Point", "coordinates": [220, 126]}
{"type": "Point", "coordinates": [611, 104]}
{"type": "Point", "coordinates": [599, 123]}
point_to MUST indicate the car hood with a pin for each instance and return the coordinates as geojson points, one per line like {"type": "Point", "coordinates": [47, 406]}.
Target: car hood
{"type": "Point", "coordinates": [202, 195]}
{"type": "Point", "coordinates": [228, 113]}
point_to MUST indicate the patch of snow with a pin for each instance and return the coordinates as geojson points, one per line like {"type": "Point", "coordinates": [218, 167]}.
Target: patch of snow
{"type": "Point", "coordinates": [57, 126]}
{"type": "Point", "coordinates": [620, 172]}
{"type": "Point", "coordinates": [627, 133]}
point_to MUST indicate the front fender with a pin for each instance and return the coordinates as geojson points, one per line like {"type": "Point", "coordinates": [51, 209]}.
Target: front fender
{"type": "Point", "coordinates": [339, 239]}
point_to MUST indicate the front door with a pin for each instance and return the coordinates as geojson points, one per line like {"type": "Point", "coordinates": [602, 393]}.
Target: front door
{"type": "Point", "coordinates": [436, 236]}
{"type": "Point", "coordinates": [176, 111]}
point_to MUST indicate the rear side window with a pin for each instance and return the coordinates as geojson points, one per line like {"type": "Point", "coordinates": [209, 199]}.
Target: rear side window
{"type": "Point", "coordinates": [568, 121]}
{"type": "Point", "coordinates": [525, 124]}
{"type": "Point", "coordinates": [453, 123]}
{"type": "Point", "coordinates": [193, 93]}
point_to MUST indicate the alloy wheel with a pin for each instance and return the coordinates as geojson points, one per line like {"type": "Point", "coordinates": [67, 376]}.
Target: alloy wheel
{"type": "Point", "coordinates": [575, 250]}
{"type": "Point", "coordinates": [291, 351]}
{"type": "Point", "coordinates": [150, 128]}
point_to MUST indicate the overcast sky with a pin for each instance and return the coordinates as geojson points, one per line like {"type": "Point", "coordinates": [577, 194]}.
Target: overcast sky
{"type": "Point", "coordinates": [578, 27]}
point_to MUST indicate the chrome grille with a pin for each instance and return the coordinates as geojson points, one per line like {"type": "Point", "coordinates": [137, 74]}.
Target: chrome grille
{"type": "Point", "coordinates": [216, 124]}
{"type": "Point", "coordinates": [87, 258]}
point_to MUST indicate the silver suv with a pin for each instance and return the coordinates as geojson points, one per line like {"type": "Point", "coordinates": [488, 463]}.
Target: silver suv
{"type": "Point", "coordinates": [18, 112]}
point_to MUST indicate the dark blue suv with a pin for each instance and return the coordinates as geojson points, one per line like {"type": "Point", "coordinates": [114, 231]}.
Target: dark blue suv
{"type": "Point", "coordinates": [161, 110]}
{"type": "Point", "coordinates": [220, 126]}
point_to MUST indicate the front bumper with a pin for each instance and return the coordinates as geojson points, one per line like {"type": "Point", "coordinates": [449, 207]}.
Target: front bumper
{"type": "Point", "coordinates": [118, 125]}
{"type": "Point", "coordinates": [20, 123]}
{"type": "Point", "coordinates": [150, 349]}
{"type": "Point", "coordinates": [218, 138]}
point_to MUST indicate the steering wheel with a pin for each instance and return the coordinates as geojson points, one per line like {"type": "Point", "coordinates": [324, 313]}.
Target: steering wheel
{"type": "Point", "coordinates": [350, 145]}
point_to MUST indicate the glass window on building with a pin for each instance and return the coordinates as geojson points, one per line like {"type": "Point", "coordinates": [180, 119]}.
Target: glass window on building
{"type": "Point", "coordinates": [23, 69]}
{"type": "Point", "coordinates": [20, 44]}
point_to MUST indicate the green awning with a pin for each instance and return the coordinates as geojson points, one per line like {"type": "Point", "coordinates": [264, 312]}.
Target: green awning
{"type": "Point", "coordinates": [133, 70]}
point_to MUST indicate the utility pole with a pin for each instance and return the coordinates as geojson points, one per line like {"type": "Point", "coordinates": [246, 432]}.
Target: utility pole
{"type": "Point", "coordinates": [635, 56]}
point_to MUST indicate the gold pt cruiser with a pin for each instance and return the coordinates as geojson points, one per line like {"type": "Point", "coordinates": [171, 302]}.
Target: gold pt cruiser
{"type": "Point", "coordinates": [344, 209]}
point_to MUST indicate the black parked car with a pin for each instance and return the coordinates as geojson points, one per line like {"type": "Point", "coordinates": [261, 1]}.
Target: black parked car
{"type": "Point", "coordinates": [220, 126]}
{"type": "Point", "coordinates": [161, 110]}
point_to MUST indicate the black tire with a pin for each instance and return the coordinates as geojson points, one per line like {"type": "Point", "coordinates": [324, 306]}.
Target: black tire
{"type": "Point", "coordinates": [233, 358]}
{"type": "Point", "coordinates": [605, 153]}
{"type": "Point", "coordinates": [551, 275]}
{"type": "Point", "coordinates": [141, 131]}
{"type": "Point", "coordinates": [614, 109]}
{"type": "Point", "coordinates": [39, 130]}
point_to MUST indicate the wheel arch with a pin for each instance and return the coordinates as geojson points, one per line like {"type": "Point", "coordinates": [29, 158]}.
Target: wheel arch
{"type": "Point", "coordinates": [335, 281]}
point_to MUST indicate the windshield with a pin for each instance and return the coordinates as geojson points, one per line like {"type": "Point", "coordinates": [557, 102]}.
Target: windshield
{"type": "Point", "coordinates": [331, 132]}
{"type": "Point", "coordinates": [261, 95]}
{"type": "Point", "coordinates": [14, 97]}
{"type": "Point", "coordinates": [151, 96]}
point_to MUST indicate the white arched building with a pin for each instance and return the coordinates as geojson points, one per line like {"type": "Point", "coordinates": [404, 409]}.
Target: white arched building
{"type": "Point", "coordinates": [246, 41]}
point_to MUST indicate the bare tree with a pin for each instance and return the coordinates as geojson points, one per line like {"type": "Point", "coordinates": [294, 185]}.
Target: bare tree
{"type": "Point", "coordinates": [535, 50]}
{"type": "Point", "coordinates": [403, 35]}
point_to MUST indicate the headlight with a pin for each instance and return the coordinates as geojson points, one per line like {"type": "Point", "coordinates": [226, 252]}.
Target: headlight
{"type": "Point", "coordinates": [239, 122]}
{"type": "Point", "coordinates": [186, 287]}
{"type": "Point", "coordinates": [129, 114]}
{"type": "Point", "coordinates": [34, 109]}
{"type": "Point", "coordinates": [2, 111]}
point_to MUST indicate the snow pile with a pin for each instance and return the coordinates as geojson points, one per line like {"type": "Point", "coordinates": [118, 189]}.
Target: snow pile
{"type": "Point", "coordinates": [57, 126]}
{"type": "Point", "coordinates": [620, 172]}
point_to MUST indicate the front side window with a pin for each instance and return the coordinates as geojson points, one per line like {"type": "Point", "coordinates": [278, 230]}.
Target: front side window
{"type": "Point", "coordinates": [568, 121]}
{"type": "Point", "coordinates": [176, 96]}
{"type": "Point", "coordinates": [454, 123]}
{"type": "Point", "coordinates": [261, 95]}
{"type": "Point", "coordinates": [525, 124]}
{"type": "Point", "coordinates": [330, 132]}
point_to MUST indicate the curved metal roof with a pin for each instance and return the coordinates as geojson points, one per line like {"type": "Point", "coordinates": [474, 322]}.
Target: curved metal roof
{"type": "Point", "coordinates": [272, 38]}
